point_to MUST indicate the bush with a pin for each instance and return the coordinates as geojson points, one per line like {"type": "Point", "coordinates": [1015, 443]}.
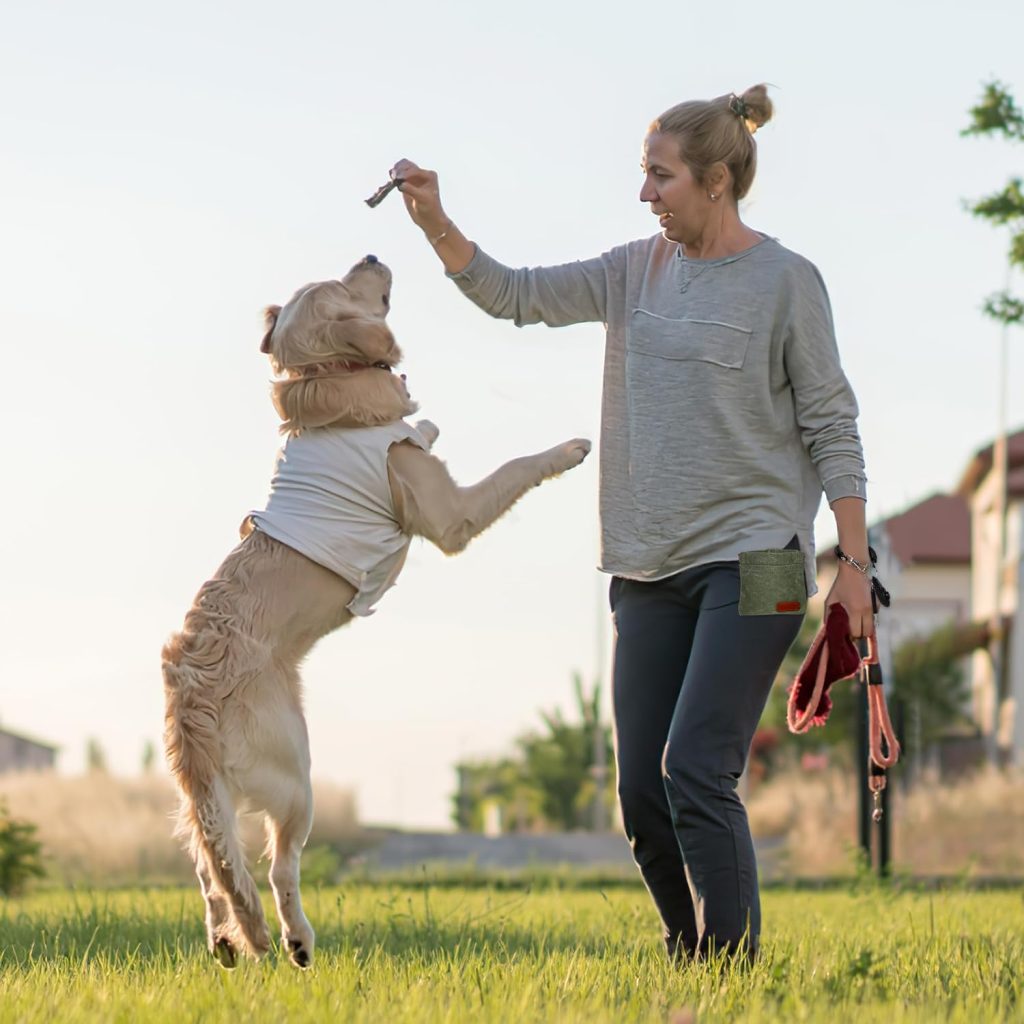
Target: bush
{"type": "Point", "coordinates": [20, 853]}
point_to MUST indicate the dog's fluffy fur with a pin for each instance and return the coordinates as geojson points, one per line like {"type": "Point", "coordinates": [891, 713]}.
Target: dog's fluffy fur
{"type": "Point", "coordinates": [235, 734]}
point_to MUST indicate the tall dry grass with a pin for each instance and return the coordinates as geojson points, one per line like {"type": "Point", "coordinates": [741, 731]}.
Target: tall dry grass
{"type": "Point", "coordinates": [101, 829]}
{"type": "Point", "coordinates": [971, 827]}
{"type": "Point", "coordinates": [104, 830]}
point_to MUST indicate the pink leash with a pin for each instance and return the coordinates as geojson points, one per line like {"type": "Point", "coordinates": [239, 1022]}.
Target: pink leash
{"type": "Point", "coordinates": [883, 747]}
{"type": "Point", "coordinates": [880, 730]}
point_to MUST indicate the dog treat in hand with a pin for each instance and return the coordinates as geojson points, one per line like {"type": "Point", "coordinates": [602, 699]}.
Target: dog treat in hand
{"type": "Point", "coordinates": [378, 196]}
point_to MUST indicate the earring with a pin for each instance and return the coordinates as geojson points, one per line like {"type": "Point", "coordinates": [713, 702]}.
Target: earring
{"type": "Point", "coordinates": [713, 196]}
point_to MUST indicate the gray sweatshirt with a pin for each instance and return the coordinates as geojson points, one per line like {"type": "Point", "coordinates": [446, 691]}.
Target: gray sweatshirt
{"type": "Point", "coordinates": [725, 410]}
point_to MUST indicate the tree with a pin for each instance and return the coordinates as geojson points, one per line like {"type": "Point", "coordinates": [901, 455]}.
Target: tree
{"type": "Point", "coordinates": [20, 853]}
{"type": "Point", "coordinates": [95, 758]}
{"type": "Point", "coordinates": [560, 762]}
{"type": "Point", "coordinates": [550, 781]}
{"type": "Point", "coordinates": [998, 114]}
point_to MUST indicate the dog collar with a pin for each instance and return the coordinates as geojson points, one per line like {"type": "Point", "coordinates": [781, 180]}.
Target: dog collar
{"type": "Point", "coordinates": [340, 366]}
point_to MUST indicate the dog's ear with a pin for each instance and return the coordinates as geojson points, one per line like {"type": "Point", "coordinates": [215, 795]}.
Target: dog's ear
{"type": "Point", "coordinates": [270, 315]}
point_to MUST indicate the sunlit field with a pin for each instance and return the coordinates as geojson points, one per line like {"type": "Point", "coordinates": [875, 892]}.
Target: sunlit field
{"type": "Point", "coordinates": [437, 952]}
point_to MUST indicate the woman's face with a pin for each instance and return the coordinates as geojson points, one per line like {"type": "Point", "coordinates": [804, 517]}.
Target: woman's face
{"type": "Point", "coordinates": [681, 205]}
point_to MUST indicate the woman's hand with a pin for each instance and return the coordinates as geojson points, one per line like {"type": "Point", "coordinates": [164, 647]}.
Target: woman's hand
{"type": "Point", "coordinates": [853, 591]}
{"type": "Point", "coordinates": [422, 197]}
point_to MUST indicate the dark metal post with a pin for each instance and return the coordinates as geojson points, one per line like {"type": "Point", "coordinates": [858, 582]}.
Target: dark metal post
{"type": "Point", "coordinates": [863, 793]}
{"type": "Point", "coordinates": [885, 834]}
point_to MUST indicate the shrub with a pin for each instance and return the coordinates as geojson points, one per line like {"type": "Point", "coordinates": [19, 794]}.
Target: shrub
{"type": "Point", "coordinates": [20, 853]}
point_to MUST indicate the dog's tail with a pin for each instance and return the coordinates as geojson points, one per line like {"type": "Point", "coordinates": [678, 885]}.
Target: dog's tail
{"type": "Point", "coordinates": [199, 670]}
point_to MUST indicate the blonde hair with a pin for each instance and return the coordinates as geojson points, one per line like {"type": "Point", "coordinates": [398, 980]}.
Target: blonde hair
{"type": "Point", "coordinates": [719, 131]}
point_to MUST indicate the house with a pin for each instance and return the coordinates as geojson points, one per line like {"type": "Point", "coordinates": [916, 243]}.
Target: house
{"type": "Point", "coordinates": [996, 592]}
{"type": "Point", "coordinates": [924, 560]}
{"type": "Point", "coordinates": [941, 561]}
{"type": "Point", "coordinates": [21, 754]}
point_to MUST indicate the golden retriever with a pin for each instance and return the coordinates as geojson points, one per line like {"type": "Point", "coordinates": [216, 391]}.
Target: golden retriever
{"type": "Point", "coordinates": [353, 484]}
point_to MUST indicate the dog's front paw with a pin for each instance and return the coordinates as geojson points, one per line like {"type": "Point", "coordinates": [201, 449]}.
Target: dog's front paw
{"type": "Point", "coordinates": [428, 431]}
{"type": "Point", "coordinates": [570, 454]}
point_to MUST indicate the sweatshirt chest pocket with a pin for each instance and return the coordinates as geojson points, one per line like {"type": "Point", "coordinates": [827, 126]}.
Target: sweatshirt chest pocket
{"type": "Point", "coordinates": [703, 341]}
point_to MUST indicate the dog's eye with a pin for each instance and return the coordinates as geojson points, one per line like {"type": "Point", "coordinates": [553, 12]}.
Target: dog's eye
{"type": "Point", "coordinates": [382, 366]}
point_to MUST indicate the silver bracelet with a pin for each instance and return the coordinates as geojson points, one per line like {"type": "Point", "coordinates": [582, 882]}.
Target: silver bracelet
{"type": "Point", "coordinates": [434, 241]}
{"type": "Point", "coordinates": [859, 566]}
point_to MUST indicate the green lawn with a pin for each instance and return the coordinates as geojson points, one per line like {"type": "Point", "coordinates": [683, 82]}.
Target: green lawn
{"type": "Point", "coordinates": [436, 953]}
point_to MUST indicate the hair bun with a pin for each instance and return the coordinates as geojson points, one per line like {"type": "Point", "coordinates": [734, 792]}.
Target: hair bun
{"type": "Point", "coordinates": [753, 106]}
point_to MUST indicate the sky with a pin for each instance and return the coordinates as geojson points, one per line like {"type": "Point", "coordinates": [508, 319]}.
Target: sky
{"type": "Point", "coordinates": [166, 171]}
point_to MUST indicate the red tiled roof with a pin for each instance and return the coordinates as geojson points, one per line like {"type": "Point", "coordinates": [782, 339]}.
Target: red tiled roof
{"type": "Point", "coordinates": [980, 464]}
{"type": "Point", "coordinates": [936, 530]}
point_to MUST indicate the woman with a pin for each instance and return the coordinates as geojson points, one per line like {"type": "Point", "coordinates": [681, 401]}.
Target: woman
{"type": "Point", "coordinates": [725, 414]}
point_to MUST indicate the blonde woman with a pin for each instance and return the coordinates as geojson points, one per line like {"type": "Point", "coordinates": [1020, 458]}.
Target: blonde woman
{"type": "Point", "coordinates": [725, 415]}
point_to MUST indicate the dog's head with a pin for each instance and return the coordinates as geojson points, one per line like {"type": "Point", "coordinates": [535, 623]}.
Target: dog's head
{"type": "Point", "coordinates": [334, 354]}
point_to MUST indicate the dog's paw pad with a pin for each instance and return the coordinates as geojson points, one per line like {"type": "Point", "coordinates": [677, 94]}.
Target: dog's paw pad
{"type": "Point", "coordinates": [428, 431]}
{"type": "Point", "coordinates": [576, 450]}
{"type": "Point", "coordinates": [298, 954]}
{"type": "Point", "coordinates": [224, 952]}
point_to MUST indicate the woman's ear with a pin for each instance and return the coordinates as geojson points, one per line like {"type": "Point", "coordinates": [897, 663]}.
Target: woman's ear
{"type": "Point", "coordinates": [718, 180]}
{"type": "Point", "coordinates": [270, 315]}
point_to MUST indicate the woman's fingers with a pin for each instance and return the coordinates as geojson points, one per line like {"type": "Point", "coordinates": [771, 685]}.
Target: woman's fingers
{"type": "Point", "coordinates": [862, 624]}
{"type": "Point", "coordinates": [407, 171]}
{"type": "Point", "coordinates": [403, 168]}
{"type": "Point", "coordinates": [420, 192]}
{"type": "Point", "coordinates": [853, 592]}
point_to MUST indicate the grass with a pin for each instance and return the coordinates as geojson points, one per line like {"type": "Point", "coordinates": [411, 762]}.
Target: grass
{"type": "Point", "coordinates": [561, 954]}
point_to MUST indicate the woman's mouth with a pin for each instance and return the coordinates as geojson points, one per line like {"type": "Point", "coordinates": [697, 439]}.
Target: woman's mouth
{"type": "Point", "coordinates": [664, 219]}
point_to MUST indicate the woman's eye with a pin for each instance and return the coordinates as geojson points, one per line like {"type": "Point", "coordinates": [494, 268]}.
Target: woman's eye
{"type": "Point", "coordinates": [384, 299]}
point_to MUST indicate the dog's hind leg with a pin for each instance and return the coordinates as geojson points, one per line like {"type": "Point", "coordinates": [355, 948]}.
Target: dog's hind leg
{"type": "Point", "coordinates": [207, 659]}
{"type": "Point", "coordinates": [286, 835]}
{"type": "Point", "coordinates": [219, 922]}
{"type": "Point", "coordinates": [216, 840]}
{"type": "Point", "coordinates": [283, 789]}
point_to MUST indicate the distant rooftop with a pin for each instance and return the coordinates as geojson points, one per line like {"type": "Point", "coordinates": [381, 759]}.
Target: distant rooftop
{"type": "Point", "coordinates": [27, 739]}
{"type": "Point", "coordinates": [935, 531]}
{"type": "Point", "coordinates": [981, 462]}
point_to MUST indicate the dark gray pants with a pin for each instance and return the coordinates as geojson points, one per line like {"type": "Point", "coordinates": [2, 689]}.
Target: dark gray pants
{"type": "Point", "coordinates": [691, 678]}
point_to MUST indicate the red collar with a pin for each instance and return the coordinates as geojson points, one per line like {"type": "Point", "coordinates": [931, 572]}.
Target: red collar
{"type": "Point", "coordinates": [337, 366]}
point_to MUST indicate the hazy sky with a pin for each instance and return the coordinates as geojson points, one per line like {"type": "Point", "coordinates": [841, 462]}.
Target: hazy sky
{"type": "Point", "coordinates": [168, 170]}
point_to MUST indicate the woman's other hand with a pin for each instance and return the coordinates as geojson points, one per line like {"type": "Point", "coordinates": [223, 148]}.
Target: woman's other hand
{"type": "Point", "coordinates": [852, 590]}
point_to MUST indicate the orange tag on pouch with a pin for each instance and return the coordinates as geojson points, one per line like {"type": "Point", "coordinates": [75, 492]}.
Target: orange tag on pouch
{"type": "Point", "coordinates": [788, 606]}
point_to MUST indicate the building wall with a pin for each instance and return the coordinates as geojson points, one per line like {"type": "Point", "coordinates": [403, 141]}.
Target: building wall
{"type": "Point", "coordinates": [18, 754]}
{"type": "Point", "coordinates": [924, 597]}
{"type": "Point", "coordinates": [1010, 726]}
{"type": "Point", "coordinates": [995, 589]}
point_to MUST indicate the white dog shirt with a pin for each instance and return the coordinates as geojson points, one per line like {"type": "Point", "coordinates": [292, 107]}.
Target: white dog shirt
{"type": "Point", "coordinates": [330, 500]}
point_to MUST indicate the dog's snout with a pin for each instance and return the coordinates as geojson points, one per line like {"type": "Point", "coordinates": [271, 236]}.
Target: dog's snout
{"type": "Point", "coordinates": [370, 259]}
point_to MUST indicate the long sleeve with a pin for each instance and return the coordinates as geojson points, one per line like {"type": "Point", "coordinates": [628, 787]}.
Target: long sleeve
{"type": "Point", "coordinates": [826, 409]}
{"type": "Point", "coordinates": [572, 293]}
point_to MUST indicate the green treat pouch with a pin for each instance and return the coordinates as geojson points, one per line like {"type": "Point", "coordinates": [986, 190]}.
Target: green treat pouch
{"type": "Point", "coordinates": [772, 583]}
